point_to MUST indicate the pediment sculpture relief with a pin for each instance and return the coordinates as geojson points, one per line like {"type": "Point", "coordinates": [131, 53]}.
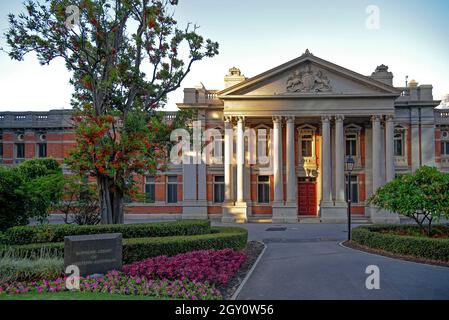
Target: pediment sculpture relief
{"type": "Point", "coordinates": [307, 80]}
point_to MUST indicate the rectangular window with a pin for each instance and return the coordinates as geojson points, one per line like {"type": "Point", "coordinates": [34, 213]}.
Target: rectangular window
{"type": "Point", "coordinates": [219, 189]}
{"type": "Point", "coordinates": [445, 148]}
{"type": "Point", "coordinates": [1, 150]}
{"type": "Point", "coordinates": [172, 189]}
{"type": "Point", "coordinates": [42, 150]}
{"type": "Point", "coordinates": [150, 189]}
{"type": "Point", "coordinates": [354, 189]}
{"type": "Point", "coordinates": [20, 150]}
{"type": "Point", "coordinates": [306, 146]}
{"type": "Point", "coordinates": [263, 189]}
{"type": "Point", "coordinates": [351, 145]}
{"type": "Point", "coordinates": [398, 145]}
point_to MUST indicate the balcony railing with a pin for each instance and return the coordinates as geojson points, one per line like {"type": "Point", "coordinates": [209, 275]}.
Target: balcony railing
{"type": "Point", "coordinates": [442, 116]}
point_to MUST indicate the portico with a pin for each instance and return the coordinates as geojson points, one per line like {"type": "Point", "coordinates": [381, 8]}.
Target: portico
{"type": "Point", "coordinates": [313, 115]}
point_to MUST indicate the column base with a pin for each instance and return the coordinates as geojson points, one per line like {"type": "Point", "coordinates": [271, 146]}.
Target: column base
{"type": "Point", "coordinates": [194, 210]}
{"type": "Point", "coordinates": [337, 213]}
{"type": "Point", "coordinates": [383, 217]}
{"type": "Point", "coordinates": [287, 213]}
{"type": "Point", "coordinates": [235, 213]}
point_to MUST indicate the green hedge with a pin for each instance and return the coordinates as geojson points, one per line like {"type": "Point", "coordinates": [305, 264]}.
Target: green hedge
{"type": "Point", "coordinates": [421, 247]}
{"type": "Point", "coordinates": [56, 233]}
{"type": "Point", "coordinates": [137, 249]}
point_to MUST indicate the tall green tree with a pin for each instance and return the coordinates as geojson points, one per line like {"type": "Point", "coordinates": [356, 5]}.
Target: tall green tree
{"type": "Point", "coordinates": [422, 196]}
{"type": "Point", "coordinates": [125, 56]}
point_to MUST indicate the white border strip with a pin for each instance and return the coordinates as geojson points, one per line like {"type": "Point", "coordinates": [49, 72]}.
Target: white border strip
{"type": "Point", "coordinates": [242, 284]}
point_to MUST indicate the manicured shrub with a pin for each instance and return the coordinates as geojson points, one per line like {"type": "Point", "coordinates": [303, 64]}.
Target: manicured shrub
{"type": "Point", "coordinates": [138, 249]}
{"type": "Point", "coordinates": [26, 270]}
{"type": "Point", "coordinates": [213, 266]}
{"type": "Point", "coordinates": [381, 237]}
{"type": "Point", "coordinates": [118, 283]}
{"type": "Point", "coordinates": [29, 191]}
{"type": "Point", "coordinates": [56, 233]}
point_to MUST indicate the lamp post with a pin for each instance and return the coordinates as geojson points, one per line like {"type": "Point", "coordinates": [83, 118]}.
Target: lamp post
{"type": "Point", "coordinates": [349, 166]}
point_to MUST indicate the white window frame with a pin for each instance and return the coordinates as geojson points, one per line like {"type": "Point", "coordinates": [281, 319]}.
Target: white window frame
{"type": "Point", "coordinates": [307, 130]}
{"type": "Point", "coordinates": [268, 145]}
{"type": "Point", "coordinates": [222, 184]}
{"type": "Point", "coordinates": [401, 161]}
{"type": "Point", "coordinates": [153, 183]}
{"type": "Point", "coordinates": [264, 183]}
{"type": "Point", "coordinates": [168, 183]}
{"type": "Point", "coordinates": [352, 129]}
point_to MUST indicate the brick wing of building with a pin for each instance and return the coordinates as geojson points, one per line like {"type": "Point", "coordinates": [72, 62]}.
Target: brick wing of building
{"type": "Point", "coordinates": [323, 112]}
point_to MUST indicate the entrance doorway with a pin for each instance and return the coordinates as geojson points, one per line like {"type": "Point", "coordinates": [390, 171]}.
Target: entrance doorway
{"type": "Point", "coordinates": [307, 200]}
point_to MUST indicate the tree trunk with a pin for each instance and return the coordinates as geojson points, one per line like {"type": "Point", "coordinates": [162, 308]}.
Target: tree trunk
{"type": "Point", "coordinates": [117, 207]}
{"type": "Point", "coordinates": [111, 202]}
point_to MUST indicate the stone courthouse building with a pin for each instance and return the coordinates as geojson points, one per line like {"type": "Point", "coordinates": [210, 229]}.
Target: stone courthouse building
{"type": "Point", "coordinates": [320, 114]}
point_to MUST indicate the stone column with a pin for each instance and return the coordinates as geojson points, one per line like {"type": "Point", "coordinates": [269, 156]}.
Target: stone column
{"type": "Point", "coordinates": [277, 161]}
{"type": "Point", "coordinates": [240, 158]}
{"type": "Point", "coordinates": [389, 147]}
{"type": "Point", "coordinates": [378, 215]}
{"type": "Point", "coordinates": [326, 161]}
{"type": "Point", "coordinates": [339, 161]}
{"type": "Point", "coordinates": [228, 154]}
{"type": "Point", "coordinates": [377, 152]}
{"type": "Point", "coordinates": [238, 211]}
{"type": "Point", "coordinates": [290, 210]}
{"type": "Point", "coordinates": [290, 161]}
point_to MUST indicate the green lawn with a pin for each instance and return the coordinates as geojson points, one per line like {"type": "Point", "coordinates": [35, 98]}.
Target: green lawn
{"type": "Point", "coordinates": [74, 296]}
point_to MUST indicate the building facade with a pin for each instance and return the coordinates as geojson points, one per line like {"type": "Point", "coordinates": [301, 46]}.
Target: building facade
{"type": "Point", "coordinates": [318, 114]}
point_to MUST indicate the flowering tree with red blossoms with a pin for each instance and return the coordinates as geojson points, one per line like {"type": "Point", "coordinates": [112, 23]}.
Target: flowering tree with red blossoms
{"type": "Point", "coordinates": [125, 56]}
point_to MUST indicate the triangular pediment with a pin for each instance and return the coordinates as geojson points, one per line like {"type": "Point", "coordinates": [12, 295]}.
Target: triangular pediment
{"type": "Point", "coordinates": [309, 76]}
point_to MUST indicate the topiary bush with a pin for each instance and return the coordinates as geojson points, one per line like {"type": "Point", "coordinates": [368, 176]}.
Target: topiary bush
{"type": "Point", "coordinates": [379, 237]}
{"type": "Point", "coordinates": [56, 233]}
{"type": "Point", "coordinates": [137, 249]}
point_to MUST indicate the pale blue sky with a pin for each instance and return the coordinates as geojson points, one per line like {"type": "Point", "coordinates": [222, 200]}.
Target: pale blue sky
{"type": "Point", "coordinates": [256, 35]}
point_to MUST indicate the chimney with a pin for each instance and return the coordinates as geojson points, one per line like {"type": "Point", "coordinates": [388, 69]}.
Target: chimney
{"type": "Point", "coordinates": [383, 75]}
{"type": "Point", "coordinates": [235, 76]}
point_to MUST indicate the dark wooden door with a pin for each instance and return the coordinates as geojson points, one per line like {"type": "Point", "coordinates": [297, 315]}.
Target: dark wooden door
{"type": "Point", "coordinates": [307, 198]}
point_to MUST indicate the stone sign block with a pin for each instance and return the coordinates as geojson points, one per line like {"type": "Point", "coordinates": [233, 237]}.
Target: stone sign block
{"type": "Point", "coordinates": [94, 254]}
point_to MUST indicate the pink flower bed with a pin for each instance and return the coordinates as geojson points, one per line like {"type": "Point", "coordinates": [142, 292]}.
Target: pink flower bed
{"type": "Point", "coordinates": [118, 283]}
{"type": "Point", "coordinates": [213, 266]}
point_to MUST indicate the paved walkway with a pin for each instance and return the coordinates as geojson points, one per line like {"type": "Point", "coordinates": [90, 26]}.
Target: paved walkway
{"type": "Point", "coordinates": [306, 262]}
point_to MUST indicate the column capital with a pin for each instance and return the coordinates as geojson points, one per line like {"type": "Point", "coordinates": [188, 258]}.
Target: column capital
{"type": "Point", "coordinates": [376, 118]}
{"type": "Point", "coordinates": [228, 119]}
{"type": "Point", "coordinates": [389, 118]}
{"type": "Point", "coordinates": [241, 119]}
{"type": "Point", "coordinates": [326, 118]}
{"type": "Point", "coordinates": [277, 119]}
{"type": "Point", "coordinates": [339, 118]}
{"type": "Point", "coordinates": [290, 119]}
